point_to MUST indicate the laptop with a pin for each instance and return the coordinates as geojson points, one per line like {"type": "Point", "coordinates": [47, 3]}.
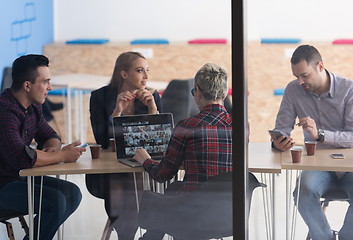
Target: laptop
{"type": "Point", "coordinates": [149, 131]}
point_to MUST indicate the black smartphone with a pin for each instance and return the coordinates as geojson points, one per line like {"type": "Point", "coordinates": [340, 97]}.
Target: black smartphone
{"type": "Point", "coordinates": [277, 134]}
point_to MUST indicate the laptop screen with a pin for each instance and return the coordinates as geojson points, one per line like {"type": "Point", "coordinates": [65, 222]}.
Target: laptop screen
{"type": "Point", "coordinates": [149, 131]}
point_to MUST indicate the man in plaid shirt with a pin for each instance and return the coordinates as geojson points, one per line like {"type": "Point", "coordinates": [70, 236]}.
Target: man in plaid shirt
{"type": "Point", "coordinates": [201, 144]}
{"type": "Point", "coordinates": [21, 121]}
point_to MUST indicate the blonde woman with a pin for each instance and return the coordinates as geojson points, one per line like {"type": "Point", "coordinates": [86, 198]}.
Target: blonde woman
{"type": "Point", "coordinates": [126, 94]}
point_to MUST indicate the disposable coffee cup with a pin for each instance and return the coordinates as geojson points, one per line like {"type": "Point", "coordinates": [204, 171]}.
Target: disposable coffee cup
{"type": "Point", "coordinates": [310, 147]}
{"type": "Point", "coordinates": [95, 150]}
{"type": "Point", "coordinates": [296, 153]}
{"type": "Point", "coordinates": [112, 144]}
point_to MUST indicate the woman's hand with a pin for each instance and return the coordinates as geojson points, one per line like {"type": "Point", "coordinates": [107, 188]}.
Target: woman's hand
{"type": "Point", "coordinates": [141, 155]}
{"type": "Point", "coordinates": [146, 97]}
{"type": "Point", "coordinates": [122, 102]}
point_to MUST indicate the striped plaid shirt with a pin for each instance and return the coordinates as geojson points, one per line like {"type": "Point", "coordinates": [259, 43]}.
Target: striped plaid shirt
{"type": "Point", "coordinates": [18, 127]}
{"type": "Point", "coordinates": [201, 144]}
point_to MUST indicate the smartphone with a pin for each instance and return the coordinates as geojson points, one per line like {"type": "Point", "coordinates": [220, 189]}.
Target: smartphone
{"type": "Point", "coordinates": [337, 155]}
{"type": "Point", "coordinates": [83, 145]}
{"type": "Point", "coordinates": [277, 134]}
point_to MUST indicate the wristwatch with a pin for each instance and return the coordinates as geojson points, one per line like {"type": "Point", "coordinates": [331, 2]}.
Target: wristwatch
{"type": "Point", "coordinates": [321, 135]}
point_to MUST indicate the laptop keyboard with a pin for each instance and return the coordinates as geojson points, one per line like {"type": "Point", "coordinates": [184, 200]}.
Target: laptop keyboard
{"type": "Point", "coordinates": [155, 158]}
{"type": "Point", "coordinates": [132, 160]}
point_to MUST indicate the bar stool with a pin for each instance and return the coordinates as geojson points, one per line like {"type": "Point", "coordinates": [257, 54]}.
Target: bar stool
{"type": "Point", "coordinates": [6, 215]}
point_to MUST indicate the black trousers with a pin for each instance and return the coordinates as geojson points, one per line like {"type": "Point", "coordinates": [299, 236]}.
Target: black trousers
{"type": "Point", "coordinates": [120, 203]}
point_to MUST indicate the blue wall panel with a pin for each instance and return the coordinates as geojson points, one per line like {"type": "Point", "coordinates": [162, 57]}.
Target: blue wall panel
{"type": "Point", "coordinates": [25, 27]}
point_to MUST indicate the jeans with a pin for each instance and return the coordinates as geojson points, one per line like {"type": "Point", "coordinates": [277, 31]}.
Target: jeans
{"type": "Point", "coordinates": [313, 185]}
{"type": "Point", "coordinates": [59, 200]}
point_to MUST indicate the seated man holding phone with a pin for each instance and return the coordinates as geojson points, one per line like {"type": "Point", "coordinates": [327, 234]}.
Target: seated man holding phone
{"type": "Point", "coordinates": [21, 122]}
{"type": "Point", "coordinates": [323, 103]}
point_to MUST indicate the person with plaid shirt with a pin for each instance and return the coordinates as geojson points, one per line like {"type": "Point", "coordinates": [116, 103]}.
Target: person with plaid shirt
{"type": "Point", "coordinates": [202, 144]}
{"type": "Point", "coordinates": [21, 121]}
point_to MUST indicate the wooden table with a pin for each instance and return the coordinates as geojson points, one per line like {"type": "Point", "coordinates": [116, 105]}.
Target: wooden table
{"type": "Point", "coordinates": [321, 161]}
{"type": "Point", "coordinates": [262, 159]}
{"type": "Point", "coordinates": [107, 163]}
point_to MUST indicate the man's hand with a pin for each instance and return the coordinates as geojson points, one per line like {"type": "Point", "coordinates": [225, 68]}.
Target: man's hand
{"type": "Point", "coordinates": [71, 152]}
{"type": "Point", "coordinates": [141, 155]}
{"type": "Point", "coordinates": [309, 125]}
{"type": "Point", "coordinates": [282, 143]}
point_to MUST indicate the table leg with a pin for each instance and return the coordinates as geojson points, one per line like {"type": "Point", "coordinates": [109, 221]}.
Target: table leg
{"type": "Point", "coordinates": [268, 195]}
{"type": "Point", "coordinates": [288, 177]}
{"type": "Point", "coordinates": [290, 233]}
{"type": "Point", "coordinates": [273, 207]}
{"type": "Point", "coordinates": [136, 193]}
{"type": "Point", "coordinates": [69, 119]}
{"type": "Point", "coordinates": [30, 207]}
{"type": "Point", "coordinates": [295, 207]}
{"type": "Point", "coordinates": [40, 205]}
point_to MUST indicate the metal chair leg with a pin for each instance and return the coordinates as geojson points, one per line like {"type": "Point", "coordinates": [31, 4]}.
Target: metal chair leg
{"type": "Point", "coordinates": [107, 230]}
{"type": "Point", "coordinates": [308, 237]}
{"type": "Point", "coordinates": [24, 224]}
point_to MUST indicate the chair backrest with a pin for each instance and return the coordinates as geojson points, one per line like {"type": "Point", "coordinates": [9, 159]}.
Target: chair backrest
{"type": "Point", "coordinates": [178, 100]}
{"type": "Point", "coordinates": [6, 79]}
{"type": "Point", "coordinates": [202, 214]}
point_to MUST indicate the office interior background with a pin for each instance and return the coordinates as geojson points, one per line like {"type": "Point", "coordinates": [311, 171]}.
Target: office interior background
{"type": "Point", "coordinates": [27, 26]}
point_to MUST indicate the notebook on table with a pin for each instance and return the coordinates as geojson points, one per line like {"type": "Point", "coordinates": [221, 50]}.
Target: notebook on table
{"type": "Point", "coordinates": [149, 131]}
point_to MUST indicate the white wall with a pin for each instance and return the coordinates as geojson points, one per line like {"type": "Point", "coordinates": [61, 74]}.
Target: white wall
{"type": "Point", "coordinates": [182, 20]}
{"type": "Point", "coordinates": [311, 20]}
{"type": "Point", "coordinates": [125, 20]}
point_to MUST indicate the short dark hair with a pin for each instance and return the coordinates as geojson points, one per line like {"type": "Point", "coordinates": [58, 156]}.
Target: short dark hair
{"type": "Point", "coordinates": [308, 53]}
{"type": "Point", "coordinates": [25, 68]}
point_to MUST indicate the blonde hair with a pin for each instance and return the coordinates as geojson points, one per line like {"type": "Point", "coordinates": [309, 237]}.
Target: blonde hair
{"type": "Point", "coordinates": [124, 62]}
{"type": "Point", "coordinates": [212, 81]}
